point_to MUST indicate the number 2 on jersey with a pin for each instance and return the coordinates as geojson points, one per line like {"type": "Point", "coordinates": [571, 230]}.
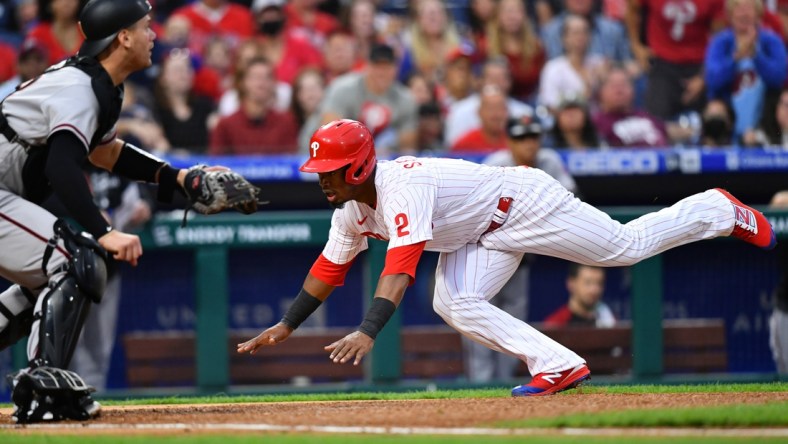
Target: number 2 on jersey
{"type": "Point", "coordinates": [401, 221]}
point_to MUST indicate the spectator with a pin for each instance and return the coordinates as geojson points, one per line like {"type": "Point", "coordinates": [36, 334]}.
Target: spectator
{"type": "Point", "coordinates": [308, 91]}
{"type": "Point", "coordinates": [176, 32]}
{"type": "Point", "coordinates": [256, 128]}
{"type": "Point", "coordinates": [608, 38]}
{"type": "Point", "coordinates": [480, 15]}
{"type": "Point", "coordinates": [718, 123]}
{"type": "Point", "coordinates": [586, 285]}
{"type": "Point", "coordinates": [8, 59]}
{"type": "Point", "coordinates": [137, 126]}
{"type": "Point", "coordinates": [374, 97]}
{"type": "Point", "coordinates": [247, 51]}
{"type": "Point", "coordinates": [774, 130]}
{"type": "Point", "coordinates": [573, 128]}
{"type": "Point", "coordinates": [677, 34]}
{"type": "Point", "coordinates": [458, 77]}
{"type": "Point", "coordinates": [31, 62]}
{"type": "Point", "coordinates": [576, 73]}
{"type": "Point", "coordinates": [207, 78]}
{"type": "Point", "coordinates": [523, 149]}
{"type": "Point", "coordinates": [430, 129]}
{"type": "Point", "coordinates": [339, 55]}
{"type": "Point", "coordinates": [183, 114]}
{"type": "Point", "coordinates": [289, 52]}
{"type": "Point", "coordinates": [57, 28]}
{"type": "Point", "coordinates": [432, 36]}
{"type": "Point", "coordinates": [782, 15]}
{"type": "Point", "coordinates": [217, 59]}
{"type": "Point", "coordinates": [421, 89]}
{"type": "Point", "coordinates": [491, 135]}
{"type": "Point", "coordinates": [463, 116]}
{"type": "Point", "coordinates": [306, 20]}
{"type": "Point", "coordinates": [621, 125]}
{"type": "Point", "coordinates": [511, 35]}
{"type": "Point", "coordinates": [744, 62]}
{"type": "Point", "coordinates": [16, 19]}
{"type": "Point", "coordinates": [360, 25]}
{"type": "Point", "coordinates": [209, 18]}
{"type": "Point", "coordinates": [778, 322]}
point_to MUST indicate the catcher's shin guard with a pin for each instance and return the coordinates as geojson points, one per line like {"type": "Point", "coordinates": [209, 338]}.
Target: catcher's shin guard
{"type": "Point", "coordinates": [51, 394]}
{"type": "Point", "coordinates": [66, 304]}
{"type": "Point", "coordinates": [63, 313]}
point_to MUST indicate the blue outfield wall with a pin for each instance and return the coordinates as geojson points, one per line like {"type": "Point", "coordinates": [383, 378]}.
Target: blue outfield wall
{"type": "Point", "coordinates": [722, 278]}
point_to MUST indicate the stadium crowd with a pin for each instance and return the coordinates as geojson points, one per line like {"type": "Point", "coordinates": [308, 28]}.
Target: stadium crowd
{"type": "Point", "coordinates": [259, 76]}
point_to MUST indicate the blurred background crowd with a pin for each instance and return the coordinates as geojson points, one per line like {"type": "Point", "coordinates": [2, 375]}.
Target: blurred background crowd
{"type": "Point", "coordinates": [259, 76]}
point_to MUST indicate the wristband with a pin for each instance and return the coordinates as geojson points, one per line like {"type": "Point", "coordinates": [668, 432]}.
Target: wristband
{"type": "Point", "coordinates": [168, 183]}
{"type": "Point", "coordinates": [379, 313]}
{"type": "Point", "coordinates": [304, 305]}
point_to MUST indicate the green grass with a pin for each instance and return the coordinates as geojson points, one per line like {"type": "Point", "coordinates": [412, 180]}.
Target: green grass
{"type": "Point", "coordinates": [751, 416]}
{"type": "Point", "coordinates": [740, 415]}
{"type": "Point", "coordinates": [501, 392]}
{"type": "Point", "coordinates": [8, 438]}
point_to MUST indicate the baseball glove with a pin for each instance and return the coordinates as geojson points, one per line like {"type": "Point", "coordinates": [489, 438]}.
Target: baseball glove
{"type": "Point", "coordinates": [213, 190]}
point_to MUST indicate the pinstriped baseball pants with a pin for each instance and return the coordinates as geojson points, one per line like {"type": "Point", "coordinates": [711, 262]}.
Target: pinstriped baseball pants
{"type": "Point", "coordinates": [546, 219]}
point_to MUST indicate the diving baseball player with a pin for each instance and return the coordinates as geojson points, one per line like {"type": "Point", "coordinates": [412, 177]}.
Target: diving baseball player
{"type": "Point", "coordinates": [482, 220]}
{"type": "Point", "coordinates": [48, 127]}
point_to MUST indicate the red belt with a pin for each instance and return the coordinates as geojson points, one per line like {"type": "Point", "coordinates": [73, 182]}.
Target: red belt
{"type": "Point", "coordinates": [500, 214]}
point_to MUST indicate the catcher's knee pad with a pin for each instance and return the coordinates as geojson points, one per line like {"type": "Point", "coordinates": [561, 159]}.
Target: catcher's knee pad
{"type": "Point", "coordinates": [87, 262]}
{"type": "Point", "coordinates": [51, 394]}
{"type": "Point", "coordinates": [16, 315]}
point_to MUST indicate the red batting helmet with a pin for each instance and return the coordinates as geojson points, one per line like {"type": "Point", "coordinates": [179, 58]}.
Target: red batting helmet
{"type": "Point", "coordinates": [341, 143]}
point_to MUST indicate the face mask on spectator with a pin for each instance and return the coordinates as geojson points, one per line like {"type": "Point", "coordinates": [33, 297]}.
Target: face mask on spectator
{"type": "Point", "coordinates": [717, 129]}
{"type": "Point", "coordinates": [271, 27]}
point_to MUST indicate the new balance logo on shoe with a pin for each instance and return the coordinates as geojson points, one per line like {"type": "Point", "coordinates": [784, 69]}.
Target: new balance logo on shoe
{"type": "Point", "coordinates": [750, 225]}
{"type": "Point", "coordinates": [746, 219]}
{"type": "Point", "coordinates": [551, 377]}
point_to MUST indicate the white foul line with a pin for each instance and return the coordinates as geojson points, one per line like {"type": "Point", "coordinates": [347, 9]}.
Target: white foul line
{"type": "Point", "coordinates": [717, 432]}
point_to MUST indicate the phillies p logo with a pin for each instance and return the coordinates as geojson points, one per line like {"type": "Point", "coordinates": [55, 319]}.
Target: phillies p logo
{"type": "Point", "coordinates": [315, 146]}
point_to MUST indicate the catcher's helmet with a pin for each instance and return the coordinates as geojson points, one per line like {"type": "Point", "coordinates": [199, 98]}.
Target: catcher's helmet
{"type": "Point", "coordinates": [341, 143]}
{"type": "Point", "coordinates": [102, 20]}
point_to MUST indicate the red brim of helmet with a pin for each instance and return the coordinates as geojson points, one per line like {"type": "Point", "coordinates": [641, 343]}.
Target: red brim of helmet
{"type": "Point", "coordinates": [323, 165]}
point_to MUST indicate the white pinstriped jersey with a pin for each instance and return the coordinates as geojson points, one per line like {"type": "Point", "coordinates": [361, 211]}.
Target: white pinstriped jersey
{"type": "Point", "coordinates": [63, 99]}
{"type": "Point", "coordinates": [446, 202]}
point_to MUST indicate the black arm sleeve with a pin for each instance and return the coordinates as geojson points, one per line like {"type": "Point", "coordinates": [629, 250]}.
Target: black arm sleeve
{"type": "Point", "coordinates": [64, 171]}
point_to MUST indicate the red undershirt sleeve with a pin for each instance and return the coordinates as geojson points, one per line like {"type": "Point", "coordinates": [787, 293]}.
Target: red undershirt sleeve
{"type": "Point", "coordinates": [403, 260]}
{"type": "Point", "coordinates": [329, 272]}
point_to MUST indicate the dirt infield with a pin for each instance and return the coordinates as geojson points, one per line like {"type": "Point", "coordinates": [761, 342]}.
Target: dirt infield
{"type": "Point", "coordinates": [443, 413]}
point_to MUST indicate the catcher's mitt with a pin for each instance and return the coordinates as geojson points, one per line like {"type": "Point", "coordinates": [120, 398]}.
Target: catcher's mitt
{"type": "Point", "coordinates": [212, 191]}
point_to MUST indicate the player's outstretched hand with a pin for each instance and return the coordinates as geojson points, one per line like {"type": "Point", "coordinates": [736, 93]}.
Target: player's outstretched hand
{"type": "Point", "coordinates": [271, 336]}
{"type": "Point", "coordinates": [355, 344]}
{"type": "Point", "coordinates": [122, 246]}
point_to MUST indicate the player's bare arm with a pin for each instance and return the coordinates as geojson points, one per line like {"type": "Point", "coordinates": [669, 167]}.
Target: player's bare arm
{"type": "Point", "coordinates": [313, 288]}
{"type": "Point", "coordinates": [391, 289]}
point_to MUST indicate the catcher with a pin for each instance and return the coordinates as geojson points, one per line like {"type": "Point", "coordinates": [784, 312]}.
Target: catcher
{"type": "Point", "coordinates": [48, 127]}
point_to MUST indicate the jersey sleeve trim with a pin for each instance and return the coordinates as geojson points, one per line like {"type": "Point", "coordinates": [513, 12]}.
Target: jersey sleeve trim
{"type": "Point", "coordinates": [403, 260]}
{"type": "Point", "coordinates": [73, 129]}
{"type": "Point", "coordinates": [110, 138]}
{"type": "Point", "coordinates": [330, 273]}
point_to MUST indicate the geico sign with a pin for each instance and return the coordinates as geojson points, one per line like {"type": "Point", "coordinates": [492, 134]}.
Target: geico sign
{"type": "Point", "coordinates": [613, 162]}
